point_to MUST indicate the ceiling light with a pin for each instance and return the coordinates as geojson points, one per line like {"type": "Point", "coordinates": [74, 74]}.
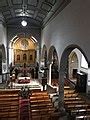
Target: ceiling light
{"type": "Point", "coordinates": [24, 23]}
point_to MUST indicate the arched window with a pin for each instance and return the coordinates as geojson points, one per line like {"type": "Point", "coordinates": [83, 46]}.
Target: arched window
{"type": "Point", "coordinates": [30, 57]}
{"type": "Point", "coordinates": [24, 57]}
{"type": "Point", "coordinates": [18, 57]}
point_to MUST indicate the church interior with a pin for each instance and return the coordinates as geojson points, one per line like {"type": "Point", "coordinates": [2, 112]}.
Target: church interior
{"type": "Point", "coordinates": [44, 60]}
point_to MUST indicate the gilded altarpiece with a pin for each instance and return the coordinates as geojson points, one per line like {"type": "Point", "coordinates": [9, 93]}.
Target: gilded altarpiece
{"type": "Point", "coordinates": [23, 53]}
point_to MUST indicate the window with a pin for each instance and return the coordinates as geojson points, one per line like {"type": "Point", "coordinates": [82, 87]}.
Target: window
{"type": "Point", "coordinates": [18, 57]}
{"type": "Point", "coordinates": [30, 57]}
{"type": "Point", "coordinates": [24, 57]}
{"type": "Point", "coordinates": [84, 63]}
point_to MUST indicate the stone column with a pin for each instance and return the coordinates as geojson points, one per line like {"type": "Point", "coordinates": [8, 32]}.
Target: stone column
{"type": "Point", "coordinates": [50, 65]}
{"type": "Point", "coordinates": [61, 91]}
{"type": "Point", "coordinates": [88, 80]}
{"type": "Point", "coordinates": [1, 42]}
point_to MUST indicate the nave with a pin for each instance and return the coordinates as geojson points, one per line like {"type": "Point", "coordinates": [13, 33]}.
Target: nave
{"type": "Point", "coordinates": [31, 104]}
{"type": "Point", "coordinates": [36, 105]}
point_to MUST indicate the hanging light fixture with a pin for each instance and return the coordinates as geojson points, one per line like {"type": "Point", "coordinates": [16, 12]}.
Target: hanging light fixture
{"type": "Point", "coordinates": [24, 22]}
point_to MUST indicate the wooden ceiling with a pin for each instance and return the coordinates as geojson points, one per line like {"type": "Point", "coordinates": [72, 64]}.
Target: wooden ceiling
{"type": "Point", "coordinates": [36, 12]}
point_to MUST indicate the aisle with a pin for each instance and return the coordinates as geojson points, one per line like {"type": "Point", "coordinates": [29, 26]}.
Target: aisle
{"type": "Point", "coordinates": [24, 109]}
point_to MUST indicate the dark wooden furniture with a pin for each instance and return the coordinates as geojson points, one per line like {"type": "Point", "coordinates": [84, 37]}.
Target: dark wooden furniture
{"type": "Point", "coordinates": [81, 82]}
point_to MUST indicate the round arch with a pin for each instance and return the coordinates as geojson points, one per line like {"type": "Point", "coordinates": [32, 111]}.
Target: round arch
{"type": "Point", "coordinates": [44, 52]}
{"type": "Point", "coordinates": [3, 53]}
{"type": "Point", "coordinates": [72, 65]}
{"type": "Point", "coordinates": [53, 66]}
{"type": "Point", "coordinates": [21, 42]}
{"type": "Point", "coordinates": [63, 70]}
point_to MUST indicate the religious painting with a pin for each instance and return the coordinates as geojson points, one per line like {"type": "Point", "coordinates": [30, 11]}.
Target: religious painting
{"type": "Point", "coordinates": [31, 57]}
{"type": "Point", "coordinates": [24, 57]}
{"type": "Point", "coordinates": [18, 57]}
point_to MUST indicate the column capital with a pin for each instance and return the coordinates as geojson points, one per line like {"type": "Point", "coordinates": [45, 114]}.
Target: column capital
{"type": "Point", "coordinates": [1, 19]}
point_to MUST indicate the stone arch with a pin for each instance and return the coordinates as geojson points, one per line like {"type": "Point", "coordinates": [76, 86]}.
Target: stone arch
{"type": "Point", "coordinates": [54, 63]}
{"type": "Point", "coordinates": [0, 59]}
{"type": "Point", "coordinates": [63, 70]}
{"type": "Point", "coordinates": [72, 64]}
{"type": "Point", "coordinates": [3, 53]}
{"type": "Point", "coordinates": [23, 43]}
{"type": "Point", "coordinates": [44, 51]}
{"type": "Point", "coordinates": [52, 55]}
{"type": "Point", "coordinates": [44, 55]}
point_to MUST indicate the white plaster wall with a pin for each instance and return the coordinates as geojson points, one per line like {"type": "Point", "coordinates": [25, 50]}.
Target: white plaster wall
{"type": "Point", "coordinates": [3, 40]}
{"type": "Point", "coordinates": [1, 33]}
{"type": "Point", "coordinates": [71, 26]}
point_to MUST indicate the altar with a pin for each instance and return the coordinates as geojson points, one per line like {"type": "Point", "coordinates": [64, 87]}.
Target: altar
{"type": "Point", "coordinates": [31, 84]}
{"type": "Point", "coordinates": [23, 80]}
{"type": "Point", "coordinates": [19, 78]}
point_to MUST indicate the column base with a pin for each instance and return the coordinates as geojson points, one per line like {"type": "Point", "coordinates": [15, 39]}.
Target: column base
{"type": "Point", "coordinates": [62, 111]}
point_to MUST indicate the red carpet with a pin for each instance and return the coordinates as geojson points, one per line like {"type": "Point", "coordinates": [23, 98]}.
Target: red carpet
{"type": "Point", "coordinates": [24, 109]}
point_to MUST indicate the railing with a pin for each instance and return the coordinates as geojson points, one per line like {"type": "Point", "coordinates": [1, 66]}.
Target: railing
{"type": "Point", "coordinates": [5, 77]}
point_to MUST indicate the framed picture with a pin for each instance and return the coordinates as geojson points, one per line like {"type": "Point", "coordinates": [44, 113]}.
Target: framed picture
{"type": "Point", "coordinates": [24, 57]}
{"type": "Point", "coordinates": [18, 57]}
{"type": "Point", "coordinates": [31, 58]}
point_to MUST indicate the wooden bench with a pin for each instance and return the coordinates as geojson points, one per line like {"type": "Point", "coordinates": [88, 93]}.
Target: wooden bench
{"type": "Point", "coordinates": [68, 91]}
{"type": "Point", "coordinates": [54, 116]}
{"type": "Point", "coordinates": [9, 104]}
{"type": "Point", "coordinates": [77, 106]}
{"type": "Point", "coordinates": [39, 97]}
{"type": "Point", "coordinates": [42, 111]}
{"type": "Point", "coordinates": [39, 93]}
{"type": "Point", "coordinates": [80, 111]}
{"type": "Point", "coordinates": [74, 102]}
{"type": "Point", "coordinates": [66, 87]}
{"type": "Point", "coordinates": [72, 98]}
{"type": "Point", "coordinates": [84, 117]}
{"type": "Point", "coordinates": [38, 106]}
{"type": "Point", "coordinates": [71, 95]}
{"type": "Point", "coordinates": [41, 105]}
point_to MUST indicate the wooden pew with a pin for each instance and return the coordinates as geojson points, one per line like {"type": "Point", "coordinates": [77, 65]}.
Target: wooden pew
{"type": "Point", "coordinates": [72, 98]}
{"type": "Point", "coordinates": [80, 111]}
{"type": "Point", "coordinates": [66, 87]}
{"type": "Point", "coordinates": [68, 91]}
{"type": "Point", "coordinates": [74, 102]}
{"type": "Point", "coordinates": [71, 95]}
{"type": "Point", "coordinates": [54, 116]}
{"type": "Point", "coordinates": [40, 105]}
{"type": "Point", "coordinates": [83, 117]}
{"type": "Point", "coordinates": [9, 104]}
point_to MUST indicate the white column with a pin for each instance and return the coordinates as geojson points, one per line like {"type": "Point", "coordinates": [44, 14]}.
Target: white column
{"type": "Point", "coordinates": [50, 73]}
{"type": "Point", "coordinates": [88, 82]}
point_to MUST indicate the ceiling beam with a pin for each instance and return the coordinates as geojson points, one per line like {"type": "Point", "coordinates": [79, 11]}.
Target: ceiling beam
{"type": "Point", "coordinates": [57, 8]}
{"type": "Point", "coordinates": [38, 7]}
{"type": "Point", "coordinates": [11, 8]}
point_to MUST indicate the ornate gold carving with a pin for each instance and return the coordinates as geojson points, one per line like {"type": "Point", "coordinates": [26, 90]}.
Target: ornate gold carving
{"type": "Point", "coordinates": [24, 43]}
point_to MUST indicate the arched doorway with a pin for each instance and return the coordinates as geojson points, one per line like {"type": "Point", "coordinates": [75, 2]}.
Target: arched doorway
{"type": "Point", "coordinates": [64, 71]}
{"type": "Point", "coordinates": [44, 67]}
{"type": "Point", "coordinates": [2, 59]}
{"type": "Point", "coordinates": [72, 65]}
{"type": "Point", "coordinates": [53, 66]}
{"type": "Point", "coordinates": [44, 56]}
{"type": "Point", "coordinates": [0, 62]}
